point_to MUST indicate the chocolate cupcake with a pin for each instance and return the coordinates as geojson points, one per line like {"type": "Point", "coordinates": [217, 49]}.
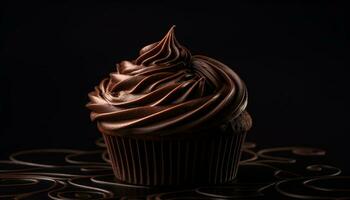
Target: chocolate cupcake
{"type": "Point", "coordinates": [169, 117]}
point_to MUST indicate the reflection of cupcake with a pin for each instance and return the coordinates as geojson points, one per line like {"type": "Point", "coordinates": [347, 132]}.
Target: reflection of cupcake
{"type": "Point", "coordinates": [168, 117]}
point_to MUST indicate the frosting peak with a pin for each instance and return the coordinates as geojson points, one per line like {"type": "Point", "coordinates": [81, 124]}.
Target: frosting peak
{"type": "Point", "coordinates": [166, 91]}
{"type": "Point", "coordinates": [166, 52]}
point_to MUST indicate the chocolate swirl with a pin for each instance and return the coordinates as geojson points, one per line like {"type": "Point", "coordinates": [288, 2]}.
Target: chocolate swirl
{"type": "Point", "coordinates": [166, 90]}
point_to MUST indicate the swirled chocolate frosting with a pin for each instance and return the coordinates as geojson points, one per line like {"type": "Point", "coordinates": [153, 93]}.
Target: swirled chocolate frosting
{"type": "Point", "coordinates": [166, 90]}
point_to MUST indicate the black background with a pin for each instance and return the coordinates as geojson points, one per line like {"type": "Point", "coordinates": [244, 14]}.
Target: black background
{"type": "Point", "coordinates": [291, 56]}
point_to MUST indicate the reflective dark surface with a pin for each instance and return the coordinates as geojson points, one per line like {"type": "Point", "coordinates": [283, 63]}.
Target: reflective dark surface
{"type": "Point", "coordinates": [270, 173]}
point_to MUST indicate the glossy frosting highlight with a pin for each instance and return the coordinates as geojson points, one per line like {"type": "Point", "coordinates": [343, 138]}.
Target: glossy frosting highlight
{"type": "Point", "coordinates": [166, 91]}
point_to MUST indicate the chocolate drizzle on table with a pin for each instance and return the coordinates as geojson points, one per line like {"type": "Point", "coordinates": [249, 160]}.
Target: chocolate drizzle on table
{"type": "Point", "coordinates": [166, 91]}
{"type": "Point", "coordinates": [272, 173]}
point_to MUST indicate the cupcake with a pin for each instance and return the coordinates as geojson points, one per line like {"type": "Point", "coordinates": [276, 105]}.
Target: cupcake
{"type": "Point", "coordinates": [169, 117]}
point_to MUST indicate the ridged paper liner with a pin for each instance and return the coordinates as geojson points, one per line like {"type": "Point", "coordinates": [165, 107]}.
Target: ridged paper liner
{"type": "Point", "coordinates": [173, 162]}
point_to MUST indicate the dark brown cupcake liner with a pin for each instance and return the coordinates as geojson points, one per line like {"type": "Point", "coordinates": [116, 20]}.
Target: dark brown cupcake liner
{"type": "Point", "coordinates": [172, 162]}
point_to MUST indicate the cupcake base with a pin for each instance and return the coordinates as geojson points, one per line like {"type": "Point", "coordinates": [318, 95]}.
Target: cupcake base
{"type": "Point", "coordinates": [186, 161]}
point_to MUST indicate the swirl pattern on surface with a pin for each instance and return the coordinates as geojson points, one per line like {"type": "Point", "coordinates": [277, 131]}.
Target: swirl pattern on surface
{"type": "Point", "coordinates": [272, 173]}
